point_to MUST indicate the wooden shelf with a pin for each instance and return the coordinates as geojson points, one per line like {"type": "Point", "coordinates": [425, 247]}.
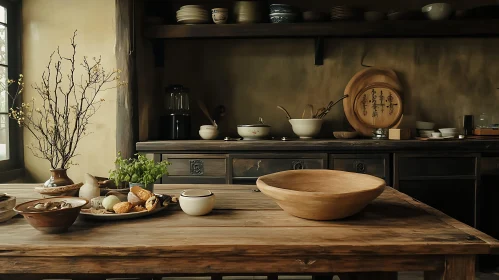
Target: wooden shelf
{"type": "Point", "coordinates": [420, 28]}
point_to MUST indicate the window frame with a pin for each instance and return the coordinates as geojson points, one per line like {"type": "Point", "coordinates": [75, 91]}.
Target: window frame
{"type": "Point", "coordinates": [10, 168]}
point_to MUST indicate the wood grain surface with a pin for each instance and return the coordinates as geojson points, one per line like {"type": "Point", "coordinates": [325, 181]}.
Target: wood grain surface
{"type": "Point", "coordinates": [392, 233]}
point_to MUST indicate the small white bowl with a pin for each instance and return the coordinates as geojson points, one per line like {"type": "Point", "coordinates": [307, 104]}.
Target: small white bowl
{"type": "Point", "coordinates": [208, 134]}
{"type": "Point", "coordinates": [425, 125]}
{"type": "Point", "coordinates": [210, 127]}
{"type": "Point", "coordinates": [436, 135]}
{"type": "Point", "coordinates": [438, 11]}
{"type": "Point", "coordinates": [306, 128]}
{"type": "Point", "coordinates": [253, 131]}
{"type": "Point", "coordinates": [197, 202]}
{"type": "Point", "coordinates": [448, 130]}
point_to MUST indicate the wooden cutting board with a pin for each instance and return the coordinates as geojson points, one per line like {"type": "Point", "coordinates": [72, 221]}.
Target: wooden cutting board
{"type": "Point", "coordinates": [373, 100]}
{"type": "Point", "coordinates": [486, 132]}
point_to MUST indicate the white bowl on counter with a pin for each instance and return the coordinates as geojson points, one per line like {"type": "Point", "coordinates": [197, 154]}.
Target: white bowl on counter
{"type": "Point", "coordinates": [197, 202]}
{"type": "Point", "coordinates": [208, 132]}
{"type": "Point", "coordinates": [253, 131]}
{"type": "Point", "coordinates": [306, 128]}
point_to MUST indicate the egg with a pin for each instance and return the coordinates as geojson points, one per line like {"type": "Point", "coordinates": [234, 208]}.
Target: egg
{"type": "Point", "coordinates": [110, 201]}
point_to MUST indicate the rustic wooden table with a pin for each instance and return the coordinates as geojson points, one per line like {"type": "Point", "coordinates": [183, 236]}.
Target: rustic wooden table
{"type": "Point", "coordinates": [248, 234]}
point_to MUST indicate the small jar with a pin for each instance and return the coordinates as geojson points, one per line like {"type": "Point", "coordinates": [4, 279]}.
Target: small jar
{"type": "Point", "coordinates": [208, 132]}
{"type": "Point", "coordinates": [197, 202]}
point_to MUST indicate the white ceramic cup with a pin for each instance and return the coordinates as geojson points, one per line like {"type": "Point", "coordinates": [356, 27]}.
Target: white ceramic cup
{"type": "Point", "coordinates": [436, 134]}
{"type": "Point", "coordinates": [219, 15]}
{"type": "Point", "coordinates": [197, 202]}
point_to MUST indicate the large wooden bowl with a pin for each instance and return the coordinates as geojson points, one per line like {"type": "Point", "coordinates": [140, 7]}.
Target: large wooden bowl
{"type": "Point", "coordinates": [321, 194]}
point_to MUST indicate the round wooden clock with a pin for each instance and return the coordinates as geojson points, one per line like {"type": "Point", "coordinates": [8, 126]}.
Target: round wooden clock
{"type": "Point", "coordinates": [378, 106]}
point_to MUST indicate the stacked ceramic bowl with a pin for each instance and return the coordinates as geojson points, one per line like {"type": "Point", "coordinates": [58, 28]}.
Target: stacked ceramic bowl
{"type": "Point", "coordinates": [6, 204]}
{"type": "Point", "coordinates": [448, 132]}
{"type": "Point", "coordinates": [248, 12]}
{"type": "Point", "coordinates": [345, 13]}
{"type": "Point", "coordinates": [282, 13]}
{"type": "Point", "coordinates": [425, 129]}
{"type": "Point", "coordinates": [193, 14]}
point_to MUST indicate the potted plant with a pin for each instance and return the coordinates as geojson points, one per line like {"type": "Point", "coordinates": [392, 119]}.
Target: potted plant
{"type": "Point", "coordinates": [139, 171]}
{"type": "Point", "coordinates": [60, 116]}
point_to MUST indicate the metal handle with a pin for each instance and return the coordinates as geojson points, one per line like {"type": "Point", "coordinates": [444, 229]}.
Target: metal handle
{"type": "Point", "coordinates": [298, 165]}
{"type": "Point", "coordinates": [197, 167]}
{"type": "Point", "coordinates": [360, 167]}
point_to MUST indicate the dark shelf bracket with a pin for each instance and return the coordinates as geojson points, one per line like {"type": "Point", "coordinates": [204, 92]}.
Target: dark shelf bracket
{"type": "Point", "coordinates": [319, 50]}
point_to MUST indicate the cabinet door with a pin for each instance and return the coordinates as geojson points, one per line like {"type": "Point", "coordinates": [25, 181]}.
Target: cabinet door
{"type": "Point", "coordinates": [195, 169]}
{"type": "Point", "coordinates": [447, 182]}
{"type": "Point", "coordinates": [247, 168]}
{"type": "Point", "coordinates": [372, 164]}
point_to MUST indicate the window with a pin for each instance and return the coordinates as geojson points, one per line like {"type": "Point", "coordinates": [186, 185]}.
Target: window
{"type": "Point", "coordinates": [10, 61]}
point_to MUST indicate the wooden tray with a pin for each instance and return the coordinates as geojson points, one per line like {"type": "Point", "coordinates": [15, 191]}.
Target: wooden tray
{"type": "Point", "coordinates": [486, 131]}
{"type": "Point", "coordinates": [85, 213]}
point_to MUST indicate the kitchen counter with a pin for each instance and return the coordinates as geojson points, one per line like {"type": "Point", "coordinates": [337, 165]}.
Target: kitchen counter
{"type": "Point", "coordinates": [320, 145]}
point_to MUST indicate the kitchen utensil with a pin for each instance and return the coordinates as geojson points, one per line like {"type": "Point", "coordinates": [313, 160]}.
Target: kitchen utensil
{"type": "Point", "coordinates": [257, 131]}
{"type": "Point", "coordinates": [425, 125]}
{"type": "Point", "coordinates": [345, 134]}
{"type": "Point", "coordinates": [219, 15]}
{"type": "Point", "coordinates": [468, 125]}
{"type": "Point", "coordinates": [203, 108]}
{"type": "Point", "coordinates": [356, 88]}
{"type": "Point", "coordinates": [285, 111]}
{"type": "Point", "coordinates": [248, 12]}
{"type": "Point", "coordinates": [321, 194]}
{"type": "Point", "coordinates": [438, 11]}
{"type": "Point", "coordinates": [319, 112]}
{"type": "Point", "coordinates": [51, 221]}
{"type": "Point", "coordinates": [197, 202]}
{"type": "Point", "coordinates": [176, 122]}
{"type": "Point", "coordinates": [306, 128]}
{"type": "Point", "coordinates": [329, 107]}
{"type": "Point", "coordinates": [310, 110]}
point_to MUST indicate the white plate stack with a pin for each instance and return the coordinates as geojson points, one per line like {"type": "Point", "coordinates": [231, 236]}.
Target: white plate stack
{"type": "Point", "coordinates": [193, 14]}
{"type": "Point", "coordinates": [6, 204]}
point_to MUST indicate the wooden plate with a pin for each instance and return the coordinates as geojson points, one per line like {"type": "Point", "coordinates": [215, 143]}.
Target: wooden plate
{"type": "Point", "coordinates": [116, 217]}
{"type": "Point", "coordinates": [378, 106]}
{"type": "Point", "coordinates": [358, 84]}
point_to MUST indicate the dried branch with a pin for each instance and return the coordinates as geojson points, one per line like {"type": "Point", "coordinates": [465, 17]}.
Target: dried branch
{"type": "Point", "coordinates": [61, 119]}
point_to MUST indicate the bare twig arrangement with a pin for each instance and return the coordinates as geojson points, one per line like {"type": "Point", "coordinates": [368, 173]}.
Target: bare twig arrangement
{"type": "Point", "coordinates": [60, 120]}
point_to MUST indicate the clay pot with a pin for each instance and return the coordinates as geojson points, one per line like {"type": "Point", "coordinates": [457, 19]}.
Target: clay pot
{"type": "Point", "coordinates": [58, 178]}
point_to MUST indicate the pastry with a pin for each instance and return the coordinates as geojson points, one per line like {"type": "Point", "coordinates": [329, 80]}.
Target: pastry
{"type": "Point", "coordinates": [122, 207]}
{"type": "Point", "coordinates": [141, 193]}
{"type": "Point", "coordinates": [133, 199]}
{"type": "Point", "coordinates": [138, 208]}
{"type": "Point", "coordinates": [152, 203]}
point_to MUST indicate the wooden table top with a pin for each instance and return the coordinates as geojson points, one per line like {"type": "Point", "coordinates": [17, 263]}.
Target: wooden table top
{"type": "Point", "coordinates": [247, 223]}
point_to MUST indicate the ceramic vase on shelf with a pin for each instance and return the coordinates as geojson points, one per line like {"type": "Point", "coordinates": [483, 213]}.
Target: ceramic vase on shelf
{"type": "Point", "coordinates": [149, 187]}
{"type": "Point", "coordinates": [58, 178]}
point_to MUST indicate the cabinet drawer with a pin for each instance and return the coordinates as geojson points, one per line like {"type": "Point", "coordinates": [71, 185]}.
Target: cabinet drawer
{"type": "Point", "coordinates": [196, 165]}
{"type": "Point", "coordinates": [375, 165]}
{"type": "Point", "coordinates": [256, 167]}
{"type": "Point", "coordinates": [489, 166]}
{"type": "Point", "coordinates": [410, 166]}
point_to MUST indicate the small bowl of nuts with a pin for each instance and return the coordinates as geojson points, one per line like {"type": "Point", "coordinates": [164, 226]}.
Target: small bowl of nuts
{"type": "Point", "coordinates": [51, 215]}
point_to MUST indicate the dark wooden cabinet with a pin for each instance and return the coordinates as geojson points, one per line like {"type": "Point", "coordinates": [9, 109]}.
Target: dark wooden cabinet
{"type": "Point", "coordinates": [246, 168]}
{"type": "Point", "coordinates": [489, 205]}
{"type": "Point", "coordinates": [447, 182]}
{"type": "Point", "coordinates": [372, 164]}
{"type": "Point", "coordinates": [196, 169]}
